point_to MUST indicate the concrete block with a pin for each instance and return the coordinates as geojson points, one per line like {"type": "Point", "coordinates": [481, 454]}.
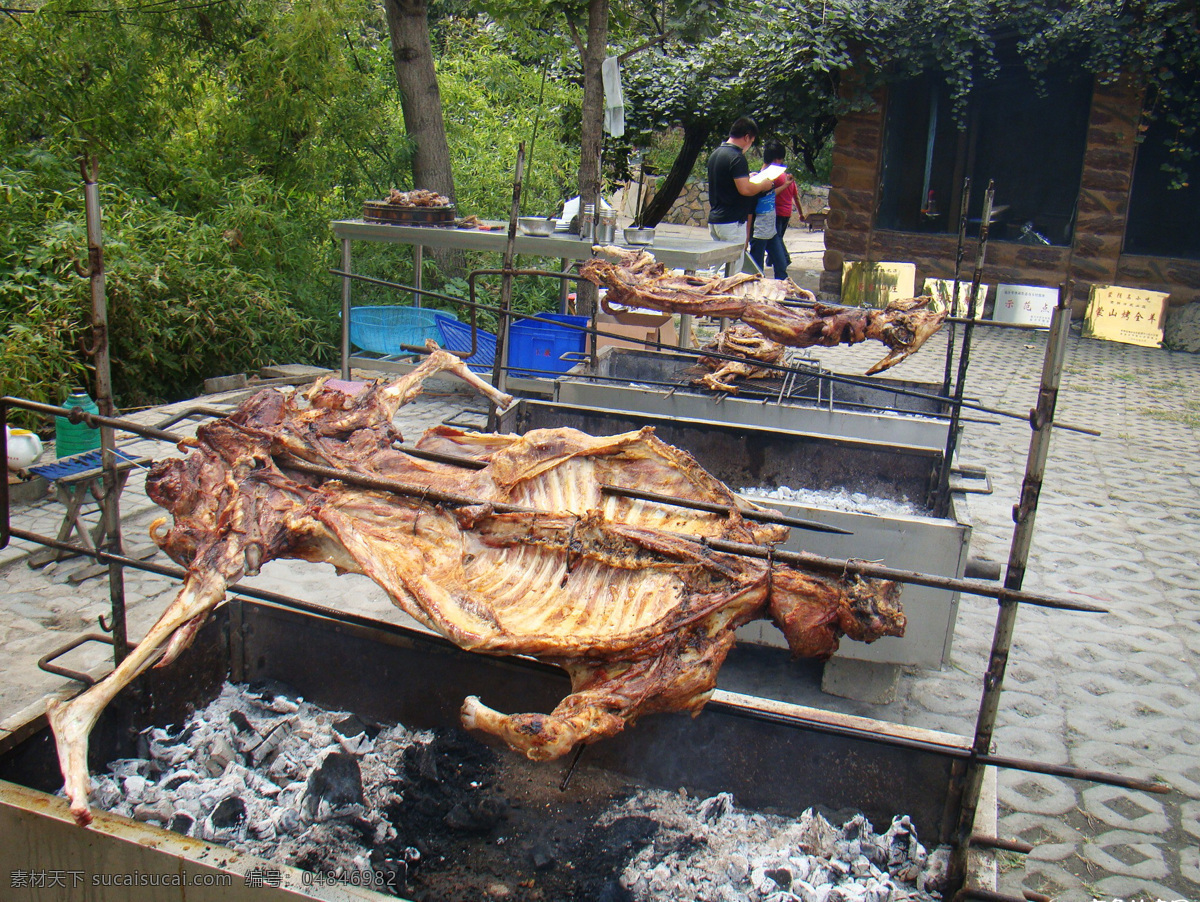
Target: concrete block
{"type": "Point", "coordinates": [219, 384]}
{"type": "Point", "coordinates": [292, 371]}
{"type": "Point", "coordinates": [863, 681]}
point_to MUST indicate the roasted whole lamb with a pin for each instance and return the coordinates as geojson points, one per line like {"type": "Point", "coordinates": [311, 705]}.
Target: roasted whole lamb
{"type": "Point", "coordinates": [516, 550]}
{"type": "Point", "coordinates": [635, 279]}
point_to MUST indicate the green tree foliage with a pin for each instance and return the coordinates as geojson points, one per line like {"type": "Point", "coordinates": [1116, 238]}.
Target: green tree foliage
{"type": "Point", "coordinates": [227, 137]}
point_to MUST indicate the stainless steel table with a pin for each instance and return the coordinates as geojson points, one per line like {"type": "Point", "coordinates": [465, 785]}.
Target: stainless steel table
{"type": "Point", "coordinates": [677, 253]}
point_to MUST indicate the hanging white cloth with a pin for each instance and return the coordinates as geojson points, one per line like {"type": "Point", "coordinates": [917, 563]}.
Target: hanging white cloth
{"type": "Point", "coordinates": [614, 103]}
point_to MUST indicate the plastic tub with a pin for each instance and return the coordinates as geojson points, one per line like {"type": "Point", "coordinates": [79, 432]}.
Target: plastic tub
{"type": "Point", "coordinates": [456, 336]}
{"type": "Point", "coordinates": [540, 345]}
{"type": "Point", "coordinates": [385, 329]}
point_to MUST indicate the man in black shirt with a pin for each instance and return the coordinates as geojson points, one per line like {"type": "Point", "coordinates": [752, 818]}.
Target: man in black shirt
{"type": "Point", "coordinates": [732, 191]}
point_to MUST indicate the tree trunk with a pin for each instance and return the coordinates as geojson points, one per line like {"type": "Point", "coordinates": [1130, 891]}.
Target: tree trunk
{"type": "Point", "coordinates": [694, 137]}
{"type": "Point", "coordinates": [421, 103]}
{"type": "Point", "coordinates": [591, 134]}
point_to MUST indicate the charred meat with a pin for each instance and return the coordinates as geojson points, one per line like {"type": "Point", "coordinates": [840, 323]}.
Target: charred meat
{"type": "Point", "coordinates": [524, 554]}
{"type": "Point", "coordinates": [635, 279]}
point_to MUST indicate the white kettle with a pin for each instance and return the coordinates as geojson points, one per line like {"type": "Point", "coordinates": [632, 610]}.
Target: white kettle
{"type": "Point", "coordinates": [24, 448]}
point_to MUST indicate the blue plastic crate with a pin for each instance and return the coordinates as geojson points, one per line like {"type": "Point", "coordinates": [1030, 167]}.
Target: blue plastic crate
{"type": "Point", "coordinates": [540, 345]}
{"type": "Point", "coordinates": [384, 329]}
{"type": "Point", "coordinates": [456, 336]}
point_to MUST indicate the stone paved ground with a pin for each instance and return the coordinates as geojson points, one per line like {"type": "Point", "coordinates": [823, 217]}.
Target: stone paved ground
{"type": "Point", "coordinates": [1118, 523]}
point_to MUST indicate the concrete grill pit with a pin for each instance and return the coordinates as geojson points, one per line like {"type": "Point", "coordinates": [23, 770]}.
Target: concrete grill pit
{"type": "Point", "coordinates": [934, 541]}
{"type": "Point", "coordinates": [769, 756]}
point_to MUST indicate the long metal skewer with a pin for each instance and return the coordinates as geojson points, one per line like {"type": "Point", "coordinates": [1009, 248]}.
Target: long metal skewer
{"type": "Point", "coordinates": [746, 549]}
{"type": "Point", "coordinates": [1024, 514]}
{"type": "Point", "coordinates": [697, 354]}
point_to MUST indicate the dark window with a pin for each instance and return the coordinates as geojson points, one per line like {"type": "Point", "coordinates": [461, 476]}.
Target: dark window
{"type": "Point", "coordinates": [1163, 221]}
{"type": "Point", "coordinates": [1030, 144]}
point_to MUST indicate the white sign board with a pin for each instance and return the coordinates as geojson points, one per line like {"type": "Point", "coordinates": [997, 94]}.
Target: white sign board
{"type": "Point", "coordinates": [1027, 305]}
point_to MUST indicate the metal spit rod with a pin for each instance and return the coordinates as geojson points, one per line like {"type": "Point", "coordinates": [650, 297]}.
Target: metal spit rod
{"type": "Point", "coordinates": [834, 565]}
{"type": "Point", "coordinates": [661, 346]}
{"type": "Point", "coordinates": [830, 728]}
{"type": "Point", "coordinates": [746, 549]}
{"type": "Point", "coordinates": [958, 259]}
{"type": "Point", "coordinates": [1024, 515]}
{"type": "Point", "coordinates": [943, 488]}
{"type": "Point", "coordinates": [99, 352]}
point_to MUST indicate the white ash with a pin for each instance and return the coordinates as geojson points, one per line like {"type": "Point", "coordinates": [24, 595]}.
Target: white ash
{"type": "Point", "coordinates": [841, 499]}
{"type": "Point", "coordinates": [311, 785]}
{"type": "Point", "coordinates": [710, 851]}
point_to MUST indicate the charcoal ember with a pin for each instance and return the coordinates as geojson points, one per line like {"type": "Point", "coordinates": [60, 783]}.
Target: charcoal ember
{"type": "Point", "coordinates": [177, 779]}
{"type": "Point", "coordinates": [263, 749]}
{"type": "Point", "coordinates": [715, 808]}
{"type": "Point", "coordinates": [159, 812]}
{"type": "Point", "coordinates": [181, 822]}
{"type": "Point", "coordinates": [241, 722]}
{"type": "Point", "coordinates": [782, 876]}
{"type": "Point", "coordinates": [353, 725]}
{"type": "Point", "coordinates": [282, 770]}
{"type": "Point", "coordinates": [220, 753]}
{"type": "Point", "coordinates": [230, 813]}
{"type": "Point", "coordinates": [860, 866]}
{"type": "Point", "coordinates": [878, 891]}
{"type": "Point", "coordinates": [263, 829]}
{"type": "Point", "coordinates": [128, 767]}
{"type": "Point", "coordinates": [336, 782]}
{"type": "Point", "coordinates": [134, 787]}
{"type": "Point", "coordinates": [287, 820]}
{"type": "Point", "coordinates": [906, 856]}
{"type": "Point", "coordinates": [477, 815]}
{"type": "Point", "coordinates": [817, 835]}
{"type": "Point", "coordinates": [106, 794]}
{"type": "Point", "coordinates": [935, 875]}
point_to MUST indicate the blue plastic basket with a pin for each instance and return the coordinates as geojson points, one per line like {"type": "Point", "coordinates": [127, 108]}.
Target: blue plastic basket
{"type": "Point", "coordinates": [384, 329]}
{"type": "Point", "coordinates": [540, 345]}
{"type": "Point", "coordinates": [456, 336]}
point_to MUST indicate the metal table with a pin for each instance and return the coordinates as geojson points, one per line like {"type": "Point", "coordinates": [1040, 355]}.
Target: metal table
{"type": "Point", "coordinates": [677, 253]}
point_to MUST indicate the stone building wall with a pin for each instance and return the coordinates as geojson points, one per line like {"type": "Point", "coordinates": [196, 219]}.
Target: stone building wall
{"type": "Point", "coordinates": [1094, 258]}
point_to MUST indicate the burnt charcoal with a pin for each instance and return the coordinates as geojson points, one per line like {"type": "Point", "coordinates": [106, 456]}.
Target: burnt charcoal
{"type": "Point", "coordinates": [476, 815]}
{"type": "Point", "coordinates": [178, 780]}
{"type": "Point", "coordinates": [715, 808]}
{"type": "Point", "coordinates": [181, 822]}
{"type": "Point", "coordinates": [543, 856]}
{"type": "Point", "coordinates": [781, 876]}
{"type": "Point", "coordinates": [240, 722]}
{"type": "Point", "coordinates": [288, 821]}
{"type": "Point", "coordinates": [229, 813]}
{"type": "Point", "coordinates": [394, 874]}
{"type": "Point", "coordinates": [354, 725]}
{"type": "Point", "coordinates": [612, 891]}
{"type": "Point", "coordinates": [337, 780]}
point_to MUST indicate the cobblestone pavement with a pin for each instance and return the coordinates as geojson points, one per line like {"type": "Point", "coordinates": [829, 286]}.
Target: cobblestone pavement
{"type": "Point", "coordinates": [1118, 523]}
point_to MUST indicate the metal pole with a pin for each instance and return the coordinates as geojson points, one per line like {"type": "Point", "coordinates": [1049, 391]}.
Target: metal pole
{"type": "Point", "coordinates": [500, 366]}
{"type": "Point", "coordinates": [346, 283]}
{"type": "Point", "coordinates": [110, 505]}
{"type": "Point", "coordinates": [943, 488]}
{"type": "Point", "coordinates": [1024, 513]}
{"type": "Point", "coordinates": [958, 258]}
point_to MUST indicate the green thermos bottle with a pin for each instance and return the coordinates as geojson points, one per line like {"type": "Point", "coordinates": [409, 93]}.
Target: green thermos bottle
{"type": "Point", "coordinates": [76, 438]}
